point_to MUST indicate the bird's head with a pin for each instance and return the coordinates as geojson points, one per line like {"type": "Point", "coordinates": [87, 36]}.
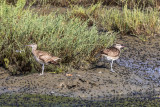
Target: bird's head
{"type": "Point", "coordinates": [119, 46]}
{"type": "Point", "coordinates": [34, 46]}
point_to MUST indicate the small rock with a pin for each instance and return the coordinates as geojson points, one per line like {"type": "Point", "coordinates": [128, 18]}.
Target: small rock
{"type": "Point", "coordinates": [100, 72]}
{"type": "Point", "coordinates": [52, 92]}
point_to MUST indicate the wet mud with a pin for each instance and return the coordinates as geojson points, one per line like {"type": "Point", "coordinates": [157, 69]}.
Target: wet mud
{"type": "Point", "coordinates": [137, 72]}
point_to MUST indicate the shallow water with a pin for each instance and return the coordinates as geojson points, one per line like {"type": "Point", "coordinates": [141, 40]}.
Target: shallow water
{"type": "Point", "coordinates": [150, 68]}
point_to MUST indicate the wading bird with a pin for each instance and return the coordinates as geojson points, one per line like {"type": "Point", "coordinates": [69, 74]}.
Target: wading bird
{"type": "Point", "coordinates": [43, 57]}
{"type": "Point", "coordinates": [112, 53]}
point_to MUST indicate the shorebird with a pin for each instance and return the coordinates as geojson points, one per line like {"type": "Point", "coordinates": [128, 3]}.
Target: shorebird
{"type": "Point", "coordinates": [42, 57]}
{"type": "Point", "coordinates": [112, 53]}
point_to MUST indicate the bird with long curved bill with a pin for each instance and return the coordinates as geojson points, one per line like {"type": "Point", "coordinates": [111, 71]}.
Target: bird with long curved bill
{"type": "Point", "coordinates": [44, 58]}
{"type": "Point", "coordinates": [112, 53]}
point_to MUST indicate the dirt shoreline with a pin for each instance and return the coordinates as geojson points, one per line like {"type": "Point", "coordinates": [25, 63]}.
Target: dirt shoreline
{"type": "Point", "coordinates": [97, 82]}
{"type": "Point", "coordinates": [86, 85]}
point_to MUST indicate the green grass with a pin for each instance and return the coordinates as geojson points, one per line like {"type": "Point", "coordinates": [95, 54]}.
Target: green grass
{"type": "Point", "coordinates": [130, 3]}
{"type": "Point", "coordinates": [141, 22]}
{"type": "Point", "coordinates": [136, 22]}
{"type": "Point", "coordinates": [51, 100]}
{"type": "Point", "coordinates": [62, 36]}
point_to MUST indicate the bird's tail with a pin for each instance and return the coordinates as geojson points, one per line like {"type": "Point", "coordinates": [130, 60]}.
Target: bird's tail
{"type": "Point", "coordinates": [55, 60]}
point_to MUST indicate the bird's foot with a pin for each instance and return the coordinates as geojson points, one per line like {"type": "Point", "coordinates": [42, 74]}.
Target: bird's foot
{"type": "Point", "coordinates": [112, 70]}
{"type": "Point", "coordinates": [41, 73]}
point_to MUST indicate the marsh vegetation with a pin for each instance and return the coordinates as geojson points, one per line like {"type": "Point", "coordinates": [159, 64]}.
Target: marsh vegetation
{"type": "Point", "coordinates": [73, 36]}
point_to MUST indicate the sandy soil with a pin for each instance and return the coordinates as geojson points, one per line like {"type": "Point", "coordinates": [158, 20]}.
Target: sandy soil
{"type": "Point", "coordinates": [97, 82]}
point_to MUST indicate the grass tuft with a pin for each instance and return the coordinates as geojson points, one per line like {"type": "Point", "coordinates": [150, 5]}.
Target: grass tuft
{"type": "Point", "coordinates": [135, 22]}
{"type": "Point", "coordinates": [67, 3]}
{"type": "Point", "coordinates": [141, 22]}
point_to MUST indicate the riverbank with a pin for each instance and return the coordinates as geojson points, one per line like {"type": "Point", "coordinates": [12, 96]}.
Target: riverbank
{"type": "Point", "coordinates": [97, 82]}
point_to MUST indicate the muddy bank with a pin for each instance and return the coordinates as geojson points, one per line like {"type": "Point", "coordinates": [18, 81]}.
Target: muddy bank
{"type": "Point", "coordinates": [137, 73]}
{"type": "Point", "coordinates": [96, 83]}
{"type": "Point", "coordinates": [93, 83]}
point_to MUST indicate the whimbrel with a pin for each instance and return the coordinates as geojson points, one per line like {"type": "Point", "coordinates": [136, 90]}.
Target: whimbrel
{"type": "Point", "coordinates": [43, 57]}
{"type": "Point", "coordinates": [112, 53]}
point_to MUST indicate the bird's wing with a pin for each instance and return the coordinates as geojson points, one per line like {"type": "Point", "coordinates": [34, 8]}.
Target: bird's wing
{"type": "Point", "coordinates": [55, 58]}
{"type": "Point", "coordinates": [46, 57]}
{"type": "Point", "coordinates": [41, 53]}
{"type": "Point", "coordinates": [113, 52]}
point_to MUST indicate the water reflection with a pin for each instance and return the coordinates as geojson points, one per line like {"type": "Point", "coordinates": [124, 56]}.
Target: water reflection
{"type": "Point", "coordinates": [149, 69]}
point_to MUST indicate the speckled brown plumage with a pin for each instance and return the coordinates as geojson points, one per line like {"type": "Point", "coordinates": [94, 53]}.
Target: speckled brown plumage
{"type": "Point", "coordinates": [112, 53]}
{"type": "Point", "coordinates": [43, 57]}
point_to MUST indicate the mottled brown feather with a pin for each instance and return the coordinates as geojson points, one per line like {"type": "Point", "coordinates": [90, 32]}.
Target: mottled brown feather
{"type": "Point", "coordinates": [45, 56]}
{"type": "Point", "coordinates": [112, 51]}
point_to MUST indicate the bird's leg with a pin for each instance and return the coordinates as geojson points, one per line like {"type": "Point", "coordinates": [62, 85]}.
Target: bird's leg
{"type": "Point", "coordinates": [111, 66]}
{"type": "Point", "coordinates": [42, 69]}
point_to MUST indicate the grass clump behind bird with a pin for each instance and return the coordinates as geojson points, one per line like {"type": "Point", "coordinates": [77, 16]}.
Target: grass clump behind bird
{"type": "Point", "coordinates": [134, 22]}
{"type": "Point", "coordinates": [69, 39]}
{"type": "Point", "coordinates": [140, 22]}
{"type": "Point", "coordinates": [67, 3]}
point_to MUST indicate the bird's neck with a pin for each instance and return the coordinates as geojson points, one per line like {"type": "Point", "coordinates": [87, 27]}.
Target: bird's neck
{"type": "Point", "coordinates": [118, 48]}
{"type": "Point", "coordinates": [33, 50]}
